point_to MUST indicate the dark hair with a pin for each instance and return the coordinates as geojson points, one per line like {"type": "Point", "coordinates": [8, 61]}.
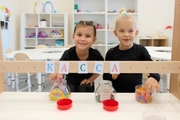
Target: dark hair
{"type": "Point", "coordinates": [86, 23]}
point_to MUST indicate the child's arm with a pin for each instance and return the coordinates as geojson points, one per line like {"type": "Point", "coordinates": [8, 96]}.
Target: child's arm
{"type": "Point", "coordinates": [115, 76]}
{"type": "Point", "coordinates": [93, 77]}
{"type": "Point", "coordinates": [55, 76]}
{"type": "Point", "coordinates": [90, 80]}
{"type": "Point", "coordinates": [151, 84]}
{"type": "Point", "coordinates": [153, 78]}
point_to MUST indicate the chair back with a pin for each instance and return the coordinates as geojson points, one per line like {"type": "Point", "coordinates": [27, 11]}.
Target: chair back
{"type": "Point", "coordinates": [68, 46]}
{"type": "Point", "coordinates": [41, 46]}
{"type": "Point", "coordinates": [21, 56]}
{"type": "Point", "coordinates": [8, 50]}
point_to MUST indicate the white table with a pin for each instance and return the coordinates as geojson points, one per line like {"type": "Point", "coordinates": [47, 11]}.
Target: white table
{"type": "Point", "coordinates": [160, 53]}
{"type": "Point", "coordinates": [160, 48]}
{"type": "Point", "coordinates": [37, 106]}
{"type": "Point", "coordinates": [37, 54]}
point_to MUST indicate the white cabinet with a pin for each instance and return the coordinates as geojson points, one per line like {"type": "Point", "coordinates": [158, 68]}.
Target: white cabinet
{"type": "Point", "coordinates": [103, 12]}
{"type": "Point", "coordinates": [168, 33]}
{"type": "Point", "coordinates": [45, 28]}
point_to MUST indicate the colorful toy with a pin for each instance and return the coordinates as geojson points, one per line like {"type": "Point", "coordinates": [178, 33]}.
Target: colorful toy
{"type": "Point", "coordinates": [42, 34]}
{"type": "Point", "coordinates": [6, 12]}
{"type": "Point", "coordinates": [59, 42]}
{"type": "Point", "coordinates": [98, 26]}
{"type": "Point", "coordinates": [57, 33]}
{"type": "Point", "coordinates": [141, 96]}
{"type": "Point", "coordinates": [32, 35]}
{"type": "Point", "coordinates": [130, 11]}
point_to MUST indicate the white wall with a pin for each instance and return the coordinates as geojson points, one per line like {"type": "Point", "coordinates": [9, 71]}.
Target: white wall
{"type": "Point", "coordinates": [154, 15]}
{"type": "Point", "coordinates": [13, 6]}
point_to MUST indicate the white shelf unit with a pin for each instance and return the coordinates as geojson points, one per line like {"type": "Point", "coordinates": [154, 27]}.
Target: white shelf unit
{"type": "Point", "coordinates": [100, 11]}
{"type": "Point", "coordinates": [31, 23]}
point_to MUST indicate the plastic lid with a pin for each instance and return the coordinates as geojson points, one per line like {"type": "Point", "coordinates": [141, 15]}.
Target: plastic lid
{"type": "Point", "coordinates": [110, 105]}
{"type": "Point", "coordinates": [64, 104]}
{"type": "Point", "coordinates": [153, 116]}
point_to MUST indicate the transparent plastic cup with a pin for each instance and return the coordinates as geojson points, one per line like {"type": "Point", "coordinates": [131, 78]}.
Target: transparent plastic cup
{"type": "Point", "coordinates": [153, 116]}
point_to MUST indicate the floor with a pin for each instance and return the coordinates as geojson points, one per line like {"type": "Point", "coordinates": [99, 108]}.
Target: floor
{"type": "Point", "coordinates": [48, 84]}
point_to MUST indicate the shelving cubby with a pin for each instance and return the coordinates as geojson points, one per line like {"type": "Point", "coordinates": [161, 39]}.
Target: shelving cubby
{"type": "Point", "coordinates": [31, 26]}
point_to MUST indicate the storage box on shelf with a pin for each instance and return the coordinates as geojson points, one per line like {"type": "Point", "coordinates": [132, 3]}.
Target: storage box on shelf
{"type": "Point", "coordinates": [153, 41]}
{"type": "Point", "coordinates": [103, 13]}
{"type": "Point", "coordinates": [49, 29]}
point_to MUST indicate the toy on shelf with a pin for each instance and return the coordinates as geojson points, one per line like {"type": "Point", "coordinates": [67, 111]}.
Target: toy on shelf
{"type": "Point", "coordinates": [101, 11]}
{"type": "Point", "coordinates": [32, 35]}
{"type": "Point", "coordinates": [59, 42]}
{"type": "Point", "coordinates": [114, 11]}
{"type": "Point", "coordinates": [5, 12]}
{"type": "Point", "coordinates": [98, 26]}
{"type": "Point", "coordinates": [59, 90]}
{"type": "Point", "coordinates": [130, 11]}
{"type": "Point", "coordinates": [42, 34]}
{"type": "Point", "coordinates": [57, 33]}
{"type": "Point", "coordinates": [75, 7]}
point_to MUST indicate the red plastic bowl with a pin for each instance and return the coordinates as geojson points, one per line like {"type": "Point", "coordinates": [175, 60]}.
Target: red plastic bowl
{"type": "Point", "coordinates": [110, 105]}
{"type": "Point", "coordinates": [64, 104]}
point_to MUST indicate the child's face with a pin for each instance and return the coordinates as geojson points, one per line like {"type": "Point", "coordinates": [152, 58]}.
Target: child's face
{"type": "Point", "coordinates": [84, 37]}
{"type": "Point", "coordinates": [126, 33]}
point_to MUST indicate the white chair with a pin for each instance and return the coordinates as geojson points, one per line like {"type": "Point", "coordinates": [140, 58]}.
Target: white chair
{"type": "Point", "coordinates": [40, 47]}
{"type": "Point", "coordinates": [8, 74]}
{"type": "Point", "coordinates": [22, 57]}
{"type": "Point", "coordinates": [68, 46]}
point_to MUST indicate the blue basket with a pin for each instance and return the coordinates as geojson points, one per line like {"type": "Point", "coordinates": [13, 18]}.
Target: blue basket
{"type": "Point", "coordinates": [59, 42]}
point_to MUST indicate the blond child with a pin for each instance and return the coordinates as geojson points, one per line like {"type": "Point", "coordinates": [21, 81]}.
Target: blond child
{"type": "Point", "coordinates": [126, 31]}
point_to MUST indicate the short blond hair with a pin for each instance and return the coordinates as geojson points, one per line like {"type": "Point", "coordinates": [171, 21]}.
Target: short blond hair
{"type": "Point", "coordinates": [124, 17]}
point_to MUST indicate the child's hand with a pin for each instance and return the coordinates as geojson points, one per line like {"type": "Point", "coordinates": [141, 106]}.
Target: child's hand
{"type": "Point", "coordinates": [55, 76]}
{"type": "Point", "coordinates": [150, 85]}
{"type": "Point", "coordinates": [85, 81]}
{"type": "Point", "coordinates": [114, 76]}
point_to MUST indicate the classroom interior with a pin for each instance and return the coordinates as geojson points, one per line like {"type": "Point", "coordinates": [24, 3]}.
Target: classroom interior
{"type": "Point", "coordinates": [155, 27]}
{"type": "Point", "coordinates": [41, 31]}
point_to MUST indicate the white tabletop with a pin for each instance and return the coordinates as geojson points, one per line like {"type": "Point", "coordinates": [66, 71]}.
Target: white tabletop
{"type": "Point", "coordinates": [39, 54]}
{"type": "Point", "coordinates": [162, 48]}
{"type": "Point", "coordinates": [160, 53]}
{"type": "Point", "coordinates": [37, 106]}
